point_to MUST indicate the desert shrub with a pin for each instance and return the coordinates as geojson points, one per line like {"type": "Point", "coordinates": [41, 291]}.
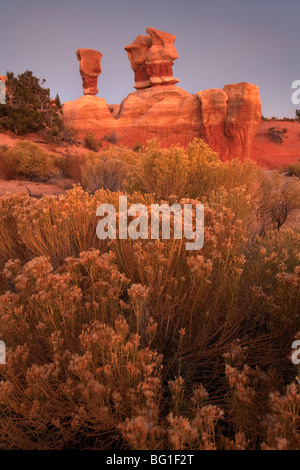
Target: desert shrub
{"type": "Point", "coordinates": [104, 170]}
{"type": "Point", "coordinates": [113, 138]}
{"type": "Point", "coordinates": [85, 379]}
{"type": "Point", "coordinates": [284, 197]}
{"type": "Point", "coordinates": [53, 227]}
{"type": "Point", "coordinates": [276, 134]}
{"type": "Point", "coordinates": [91, 143]}
{"type": "Point", "coordinates": [197, 173]}
{"type": "Point", "coordinates": [8, 164]}
{"type": "Point", "coordinates": [69, 166]}
{"type": "Point", "coordinates": [191, 172]}
{"type": "Point", "coordinates": [140, 344]}
{"type": "Point", "coordinates": [294, 169]}
{"type": "Point", "coordinates": [26, 160]}
{"type": "Point", "coordinates": [137, 147]}
{"type": "Point", "coordinates": [275, 288]}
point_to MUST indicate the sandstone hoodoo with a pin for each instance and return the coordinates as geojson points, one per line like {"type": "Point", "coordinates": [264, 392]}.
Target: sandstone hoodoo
{"type": "Point", "coordinates": [89, 113]}
{"type": "Point", "coordinates": [90, 68]}
{"type": "Point", "coordinates": [226, 119]}
{"type": "Point", "coordinates": [160, 57]}
{"type": "Point", "coordinates": [137, 54]}
{"type": "Point", "coordinates": [152, 58]}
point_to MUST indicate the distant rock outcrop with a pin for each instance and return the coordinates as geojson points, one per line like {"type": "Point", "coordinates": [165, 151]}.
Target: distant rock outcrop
{"type": "Point", "coordinates": [230, 118]}
{"type": "Point", "coordinates": [226, 119]}
{"type": "Point", "coordinates": [243, 117]}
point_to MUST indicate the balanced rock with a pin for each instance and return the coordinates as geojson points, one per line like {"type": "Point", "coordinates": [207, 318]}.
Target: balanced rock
{"type": "Point", "coordinates": [160, 57]}
{"type": "Point", "coordinates": [152, 59]}
{"type": "Point", "coordinates": [90, 68]}
{"type": "Point", "coordinates": [137, 54]}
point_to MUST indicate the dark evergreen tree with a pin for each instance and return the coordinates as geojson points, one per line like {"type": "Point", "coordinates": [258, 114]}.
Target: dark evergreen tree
{"type": "Point", "coordinates": [29, 107]}
{"type": "Point", "coordinates": [57, 101]}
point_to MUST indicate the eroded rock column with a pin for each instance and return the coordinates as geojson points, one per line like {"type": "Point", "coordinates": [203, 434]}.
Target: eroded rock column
{"type": "Point", "coordinates": [90, 69]}
{"type": "Point", "coordinates": [152, 57]}
{"type": "Point", "coordinates": [160, 58]}
{"type": "Point", "coordinates": [137, 54]}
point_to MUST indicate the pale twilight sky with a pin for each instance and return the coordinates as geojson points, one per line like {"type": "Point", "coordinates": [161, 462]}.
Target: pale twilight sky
{"type": "Point", "coordinates": [218, 42]}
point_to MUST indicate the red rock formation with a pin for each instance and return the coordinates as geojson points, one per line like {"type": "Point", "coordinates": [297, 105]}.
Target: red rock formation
{"type": "Point", "coordinates": [213, 117]}
{"type": "Point", "coordinates": [90, 68]}
{"type": "Point", "coordinates": [88, 114]}
{"type": "Point", "coordinates": [230, 118]}
{"type": "Point", "coordinates": [160, 57]}
{"type": "Point", "coordinates": [243, 118]}
{"type": "Point", "coordinates": [169, 113]}
{"type": "Point", "coordinates": [226, 119]}
{"type": "Point", "coordinates": [152, 59]}
{"type": "Point", "coordinates": [137, 54]}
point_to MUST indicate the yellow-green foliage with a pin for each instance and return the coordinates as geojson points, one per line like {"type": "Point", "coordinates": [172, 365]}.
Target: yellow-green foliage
{"type": "Point", "coordinates": [26, 160]}
{"type": "Point", "coordinates": [191, 172]}
{"type": "Point", "coordinates": [91, 142]}
{"type": "Point", "coordinates": [142, 344]}
{"type": "Point", "coordinates": [107, 169]}
{"type": "Point", "coordinates": [103, 170]}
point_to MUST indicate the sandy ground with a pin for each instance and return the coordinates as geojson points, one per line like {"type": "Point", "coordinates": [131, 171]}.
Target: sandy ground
{"type": "Point", "coordinates": [272, 155]}
{"type": "Point", "coordinates": [9, 139]}
{"type": "Point", "coordinates": [53, 187]}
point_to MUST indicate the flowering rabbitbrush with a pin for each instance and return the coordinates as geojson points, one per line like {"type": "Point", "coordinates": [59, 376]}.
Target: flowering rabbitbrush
{"type": "Point", "coordinates": [139, 226]}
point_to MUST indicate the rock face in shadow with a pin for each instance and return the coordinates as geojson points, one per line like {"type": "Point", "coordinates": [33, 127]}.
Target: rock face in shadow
{"type": "Point", "coordinates": [213, 113]}
{"type": "Point", "coordinates": [226, 119]}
